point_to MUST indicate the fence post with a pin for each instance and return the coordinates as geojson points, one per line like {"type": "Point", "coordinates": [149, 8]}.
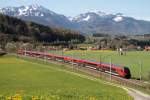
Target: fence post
{"type": "Point", "coordinates": [110, 67]}
{"type": "Point", "coordinates": [140, 63]}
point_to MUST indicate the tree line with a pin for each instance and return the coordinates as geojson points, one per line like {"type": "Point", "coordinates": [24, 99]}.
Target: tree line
{"type": "Point", "coordinates": [13, 29]}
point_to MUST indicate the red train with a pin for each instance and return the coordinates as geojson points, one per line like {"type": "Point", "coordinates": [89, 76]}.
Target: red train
{"type": "Point", "coordinates": [121, 71]}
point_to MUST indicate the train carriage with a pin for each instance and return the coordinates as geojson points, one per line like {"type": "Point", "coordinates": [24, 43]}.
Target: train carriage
{"type": "Point", "coordinates": [118, 70]}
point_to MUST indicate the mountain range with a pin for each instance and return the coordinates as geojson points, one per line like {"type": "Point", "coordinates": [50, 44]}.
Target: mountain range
{"type": "Point", "coordinates": [86, 23]}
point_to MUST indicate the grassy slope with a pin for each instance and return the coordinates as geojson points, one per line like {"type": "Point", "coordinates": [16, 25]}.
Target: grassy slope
{"type": "Point", "coordinates": [26, 78]}
{"type": "Point", "coordinates": [131, 59]}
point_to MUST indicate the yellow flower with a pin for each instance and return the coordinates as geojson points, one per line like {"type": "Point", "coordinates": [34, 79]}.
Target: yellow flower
{"type": "Point", "coordinates": [92, 98]}
{"type": "Point", "coordinates": [17, 97]}
{"type": "Point", "coordinates": [8, 98]}
{"type": "Point", "coordinates": [35, 98]}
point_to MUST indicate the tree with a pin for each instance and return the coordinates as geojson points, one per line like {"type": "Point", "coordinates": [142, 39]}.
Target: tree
{"type": "Point", "coordinates": [3, 40]}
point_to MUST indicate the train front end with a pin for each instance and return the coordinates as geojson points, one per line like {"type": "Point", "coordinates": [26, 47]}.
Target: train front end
{"type": "Point", "coordinates": [127, 73]}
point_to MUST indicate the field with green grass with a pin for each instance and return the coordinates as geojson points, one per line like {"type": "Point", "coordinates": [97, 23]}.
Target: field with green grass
{"type": "Point", "coordinates": [25, 79]}
{"type": "Point", "coordinates": [131, 59]}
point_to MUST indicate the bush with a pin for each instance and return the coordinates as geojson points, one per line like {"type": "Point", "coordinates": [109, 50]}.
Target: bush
{"type": "Point", "coordinates": [10, 47]}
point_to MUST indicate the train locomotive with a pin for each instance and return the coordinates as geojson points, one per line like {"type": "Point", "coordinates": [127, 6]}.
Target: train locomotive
{"type": "Point", "coordinates": [116, 70]}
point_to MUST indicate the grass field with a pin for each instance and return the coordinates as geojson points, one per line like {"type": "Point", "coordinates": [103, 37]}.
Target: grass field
{"type": "Point", "coordinates": [48, 82]}
{"type": "Point", "coordinates": [131, 59]}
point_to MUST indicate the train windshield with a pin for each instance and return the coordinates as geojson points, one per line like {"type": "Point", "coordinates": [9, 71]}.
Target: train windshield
{"type": "Point", "coordinates": [126, 70]}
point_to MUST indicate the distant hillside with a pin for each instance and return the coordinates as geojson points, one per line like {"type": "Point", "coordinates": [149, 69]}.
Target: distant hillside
{"type": "Point", "coordinates": [87, 23]}
{"type": "Point", "coordinates": [13, 29]}
{"type": "Point", "coordinates": [117, 24]}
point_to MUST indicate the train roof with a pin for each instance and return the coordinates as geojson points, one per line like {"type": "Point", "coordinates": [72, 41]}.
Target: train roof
{"type": "Point", "coordinates": [98, 63]}
{"type": "Point", "coordinates": [83, 60]}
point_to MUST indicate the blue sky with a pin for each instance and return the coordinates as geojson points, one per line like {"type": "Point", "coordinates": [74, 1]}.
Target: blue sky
{"type": "Point", "coordinates": [136, 8]}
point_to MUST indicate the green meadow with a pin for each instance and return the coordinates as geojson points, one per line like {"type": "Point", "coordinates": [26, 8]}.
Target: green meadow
{"type": "Point", "coordinates": [29, 79]}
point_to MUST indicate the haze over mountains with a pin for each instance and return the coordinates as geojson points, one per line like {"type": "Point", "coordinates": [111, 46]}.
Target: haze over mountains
{"type": "Point", "coordinates": [86, 23]}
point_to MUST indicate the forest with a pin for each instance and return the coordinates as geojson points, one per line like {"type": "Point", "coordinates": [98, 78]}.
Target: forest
{"type": "Point", "coordinates": [13, 29]}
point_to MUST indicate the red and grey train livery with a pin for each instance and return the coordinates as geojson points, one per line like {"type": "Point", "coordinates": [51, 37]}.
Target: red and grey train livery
{"type": "Point", "coordinates": [118, 70]}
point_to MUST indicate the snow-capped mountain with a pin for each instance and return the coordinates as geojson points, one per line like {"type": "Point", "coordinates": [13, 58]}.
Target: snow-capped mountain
{"type": "Point", "coordinates": [38, 14]}
{"type": "Point", "coordinates": [100, 22]}
{"type": "Point", "coordinates": [96, 16]}
{"type": "Point", "coordinates": [31, 10]}
{"type": "Point", "coordinates": [84, 17]}
{"type": "Point", "coordinates": [118, 18]}
{"type": "Point", "coordinates": [90, 22]}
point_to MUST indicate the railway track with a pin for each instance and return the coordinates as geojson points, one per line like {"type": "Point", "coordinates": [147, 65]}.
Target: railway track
{"type": "Point", "coordinates": [92, 71]}
{"type": "Point", "coordinates": [106, 75]}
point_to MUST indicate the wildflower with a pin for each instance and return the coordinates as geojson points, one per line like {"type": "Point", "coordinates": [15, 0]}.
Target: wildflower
{"type": "Point", "coordinates": [35, 98]}
{"type": "Point", "coordinates": [17, 97]}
